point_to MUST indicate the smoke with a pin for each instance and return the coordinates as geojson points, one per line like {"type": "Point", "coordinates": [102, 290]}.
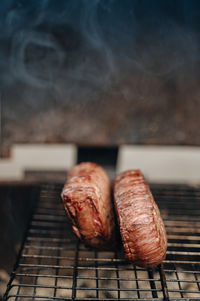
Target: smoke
{"type": "Point", "coordinates": [66, 55]}
{"type": "Point", "coordinates": [30, 57]}
{"type": "Point", "coordinates": [75, 43]}
{"type": "Point", "coordinates": [49, 44]}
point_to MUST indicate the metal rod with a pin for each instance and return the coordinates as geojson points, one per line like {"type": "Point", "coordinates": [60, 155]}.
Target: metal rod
{"type": "Point", "coordinates": [75, 273]}
{"type": "Point", "coordinates": [163, 282]}
{"type": "Point", "coordinates": [137, 284]}
{"type": "Point", "coordinates": [96, 273]}
{"type": "Point", "coordinates": [152, 283]}
{"type": "Point", "coordinates": [117, 274]}
{"type": "Point", "coordinates": [92, 288]}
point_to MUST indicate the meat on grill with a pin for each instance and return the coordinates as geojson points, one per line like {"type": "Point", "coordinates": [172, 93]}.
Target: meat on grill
{"type": "Point", "coordinates": [141, 226]}
{"type": "Point", "coordinates": [87, 203]}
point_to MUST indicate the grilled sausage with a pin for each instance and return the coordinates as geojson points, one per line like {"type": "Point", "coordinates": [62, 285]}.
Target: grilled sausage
{"type": "Point", "coordinates": [141, 226]}
{"type": "Point", "coordinates": [87, 203]}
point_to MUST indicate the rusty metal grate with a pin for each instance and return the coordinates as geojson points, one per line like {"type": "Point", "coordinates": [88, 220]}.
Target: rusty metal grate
{"type": "Point", "coordinates": [53, 265]}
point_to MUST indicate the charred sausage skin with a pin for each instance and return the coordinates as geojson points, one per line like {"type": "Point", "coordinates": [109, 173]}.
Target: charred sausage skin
{"type": "Point", "coordinates": [87, 204]}
{"type": "Point", "coordinates": [141, 226]}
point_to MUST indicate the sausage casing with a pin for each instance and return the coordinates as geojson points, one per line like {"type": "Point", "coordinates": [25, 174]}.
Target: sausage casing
{"type": "Point", "coordinates": [87, 203]}
{"type": "Point", "coordinates": [141, 226]}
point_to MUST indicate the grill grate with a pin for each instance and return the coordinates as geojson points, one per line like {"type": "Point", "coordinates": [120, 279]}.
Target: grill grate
{"type": "Point", "coordinates": [53, 265]}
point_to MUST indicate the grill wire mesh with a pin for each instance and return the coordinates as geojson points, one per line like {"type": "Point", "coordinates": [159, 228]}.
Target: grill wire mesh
{"type": "Point", "coordinates": [53, 265]}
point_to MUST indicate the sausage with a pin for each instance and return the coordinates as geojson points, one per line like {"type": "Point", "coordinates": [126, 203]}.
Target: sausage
{"type": "Point", "coordinates": [87, 203]}
{"type": "Point", "coordinates": [141, 226]}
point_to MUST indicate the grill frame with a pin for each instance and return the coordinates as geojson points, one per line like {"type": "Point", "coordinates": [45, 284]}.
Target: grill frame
{"type": "Point", "coordinates": [48, 225]}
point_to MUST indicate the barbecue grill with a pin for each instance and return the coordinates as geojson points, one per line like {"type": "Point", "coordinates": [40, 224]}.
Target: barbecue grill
{"type": "Point", "coordinates": [54, 265]}
{"type": "Point", "coordinates": [80, 78]}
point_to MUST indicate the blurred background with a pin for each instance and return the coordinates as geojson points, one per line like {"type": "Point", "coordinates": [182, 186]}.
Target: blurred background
{"type": "Point", "coordinates": [102, 72]}
{"type": "Point", "coordinates": [111, 81]}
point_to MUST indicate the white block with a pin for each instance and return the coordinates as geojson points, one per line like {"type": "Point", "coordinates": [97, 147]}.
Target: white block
{"type": "Point", "coordinates": [44, 156]}
{"type": "Point", "coordinates": [10, 171]}
{"type": "Point", "coordinates": [58, 157]}
{"type": "Point", "coordinates": [162, 164]}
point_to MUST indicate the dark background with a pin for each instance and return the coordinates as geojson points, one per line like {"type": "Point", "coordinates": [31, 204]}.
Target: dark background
{"type": "Point", "coordinates": [100, 72]}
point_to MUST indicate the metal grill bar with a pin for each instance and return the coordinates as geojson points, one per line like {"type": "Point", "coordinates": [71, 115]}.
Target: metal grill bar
{"type": "Point", "coordinates": [75, 272]}
{"type": "Point", "coordinates": [137, 285]}
{"type": "Point", "coordinates": [163, 282]}
{"type": "Point", "coordinates": [152, 283]}
{"type": "Point", "coordinates": [117, 278]}
{"type": "Point", "coordinates": [97, 277]}
{"type": "Point", "coordinates": [53, 265]}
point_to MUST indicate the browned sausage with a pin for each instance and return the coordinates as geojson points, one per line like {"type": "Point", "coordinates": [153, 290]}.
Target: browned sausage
{"type": "Point", "coordinates": [141, 226]}
{"type": "Point", "coordinates": [87, 203]}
